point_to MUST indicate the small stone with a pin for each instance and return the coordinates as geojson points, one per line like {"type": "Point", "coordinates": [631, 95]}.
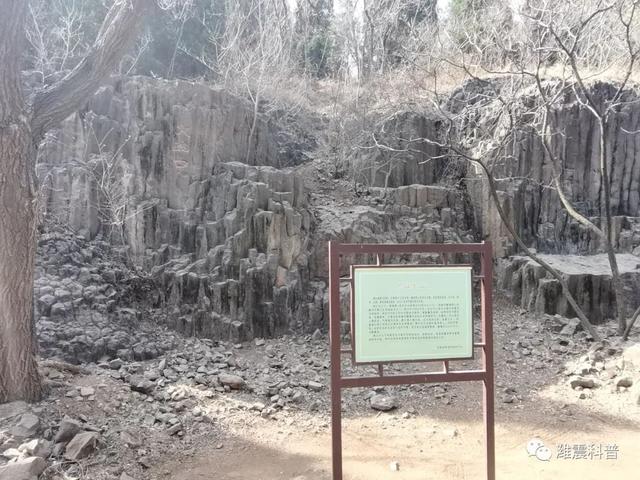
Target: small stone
{"type": "Point", "coordinates": [172, 430]}
{"type": "Point", "coordinates": [59, 309]}
{"type": "Point", "coordinates": [82, 445]}
{"type": "Point", "coordinates": [394, 466]}
{"type": "Point", "coordinates": [45, 303]}
{"type": "Point", "coordinates": [383, 403]}
{"type": "Point", "coordinates": [62, 294]}
{"type": "Point", "coordinates": [28, 426]}
{"type": "Point", "coordinates": [259, 342]}
{"type": "Point", "coordinates": [116, 364]}
{"type": "Point", "coordinates": [583, 383]}
{"type": "Point", "coordinates": [315, 386]}
{"type": "Point", "coordinates": [232, 381]}
{"type": "Point", "coordinates": [317, 335]}
{"type": "Point", "coordinates": [26, 469]}
{"type": "Point", "coordinates": [141, 384]}
{"type": "Point", "coordinates": [625, 382]}
{"type": "Point", "coordinates": [571, 327]}
{"type": "Point", "coordinates": [87, 391]}
{"type": "Point", "coordinates": [68, 429]}
{"type": "Point", "coordinates": [37, 448]}
{"type": "Point", "coordinates": [11, 453]}
{"type": "Point", "coordinates": [124, 476]}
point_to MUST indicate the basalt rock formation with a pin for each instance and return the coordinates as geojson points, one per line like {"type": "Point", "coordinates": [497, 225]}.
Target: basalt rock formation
{"type": "Point", "coordinates": [525, 179]}
{"type": "Point", "coordinates": [215, 207]}
{"type": "Point", "coordinates": [172, 172]}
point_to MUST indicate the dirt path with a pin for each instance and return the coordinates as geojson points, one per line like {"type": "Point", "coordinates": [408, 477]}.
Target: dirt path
{"type": "Point", "coordinates": [425, 448]}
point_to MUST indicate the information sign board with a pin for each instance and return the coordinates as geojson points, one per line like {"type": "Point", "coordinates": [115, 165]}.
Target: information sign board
{"type": "Point", "coordinates": [410, 314]}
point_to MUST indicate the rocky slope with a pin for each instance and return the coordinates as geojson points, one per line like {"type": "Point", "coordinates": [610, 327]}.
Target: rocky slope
{"type": "Point", "coordinates": [228, 218]}
{"type": "Point", "coordinates": [210, 207]}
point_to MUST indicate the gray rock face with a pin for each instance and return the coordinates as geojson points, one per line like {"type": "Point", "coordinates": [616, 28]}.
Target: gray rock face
{"type": "Point", "coordinates": [213, 214]}
{"type": "Point", "coordinates": [589, 280]}
{"type": "Point", "coordinates": [98, 305]}
{"type": "Point", "coordinates": [537, 212]}
{"type": "Point", "coordinates": [416, 165]}
{"type": "Point", "coordinates": [220, 222]}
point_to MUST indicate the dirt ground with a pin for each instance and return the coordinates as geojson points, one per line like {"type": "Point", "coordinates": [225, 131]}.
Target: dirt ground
{"type": "Point", "coordinates": [424, 448]}
{"type": "Point", "coordinates": [436, 431]}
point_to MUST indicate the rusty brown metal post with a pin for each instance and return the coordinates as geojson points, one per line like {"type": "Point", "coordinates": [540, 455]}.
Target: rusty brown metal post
{"type": "Point", "coordinates": [487, 357]}
{"type": "Point", "coordinates": [334, 340]}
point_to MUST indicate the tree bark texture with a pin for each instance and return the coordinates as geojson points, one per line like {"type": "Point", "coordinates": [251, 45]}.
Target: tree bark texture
{"type": "Point", "coordinates": [18, 368]}
{"type": "Point", "coordinates": [22, 127]}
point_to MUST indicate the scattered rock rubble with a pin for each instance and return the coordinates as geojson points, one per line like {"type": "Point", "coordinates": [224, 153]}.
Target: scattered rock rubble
{"type": "Point", "coordinates": [606, 367]}
{"type": "Point", "coordinates": [118, 417]}
{"type": "Point", "coordinates": [89, 304]}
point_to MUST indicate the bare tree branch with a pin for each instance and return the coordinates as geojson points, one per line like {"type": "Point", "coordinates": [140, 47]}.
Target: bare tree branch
{"type": "Point", "coordinates": [119, 29]}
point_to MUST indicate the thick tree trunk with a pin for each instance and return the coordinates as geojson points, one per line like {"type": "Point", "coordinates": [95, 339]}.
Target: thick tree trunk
{"type": "Point", "coordinates": [21, 129]}
{"type": "Point", "coordinates": [19, 378]}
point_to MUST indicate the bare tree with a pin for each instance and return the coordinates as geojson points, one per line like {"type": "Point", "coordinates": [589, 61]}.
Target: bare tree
{"type": "Point", "coordinates": [23, 124]}
{"type": "Point", "coordinates": [519, 67]}
{"type": "Point", "coordinates": [551, 63]}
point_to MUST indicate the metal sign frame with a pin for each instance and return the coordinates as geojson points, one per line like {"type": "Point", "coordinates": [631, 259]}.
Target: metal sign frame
{"type": "Point", "coordinates": [484, 374]}
{"type": "Point", "coordinates": [352, 316]}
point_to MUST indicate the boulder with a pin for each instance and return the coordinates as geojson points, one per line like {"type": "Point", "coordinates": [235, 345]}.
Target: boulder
{"type": "Point", "coordinates": [37, 448]}
{"type": "Point", "coordinates": [68, 429]}
{"type": "Point", "coordinates": [383, 402]}
{"type": "Point", "coordinates": [26, 469]}
{"type": "Point", "coordinates": [140, 384]}
{"type": "Point", "coordinates": [235, 382]}
{"type": "Point", "coordinates": [583, 382]}
{"type": "Point", "coordinates": [81, 446]}
{"type": "Point", "coordinates": [28, 426]}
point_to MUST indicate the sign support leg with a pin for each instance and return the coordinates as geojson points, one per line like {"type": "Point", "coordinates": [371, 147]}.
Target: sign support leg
{"type": "Point", "coordinates": [334, 338]}
{"type": "Point", "coordinates": [489, 429]}
{"type": "Point", "coordinates": [487, 340]}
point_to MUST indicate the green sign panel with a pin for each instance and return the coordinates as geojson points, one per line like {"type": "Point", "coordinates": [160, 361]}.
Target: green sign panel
{"type": "Point", "coordinates": [412, 313]}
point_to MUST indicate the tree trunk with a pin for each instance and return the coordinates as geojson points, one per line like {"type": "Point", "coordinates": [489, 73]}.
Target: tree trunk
{"type": "Point", "coordinates": [21, 130]}
{"type": "Point", "coordinates": [19, 378]}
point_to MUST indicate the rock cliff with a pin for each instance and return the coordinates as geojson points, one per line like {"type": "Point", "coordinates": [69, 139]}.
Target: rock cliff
{"type": "Point", "coordinates": [222, 212]}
